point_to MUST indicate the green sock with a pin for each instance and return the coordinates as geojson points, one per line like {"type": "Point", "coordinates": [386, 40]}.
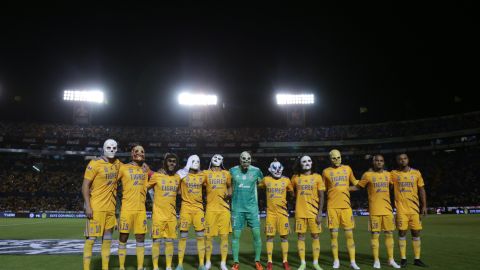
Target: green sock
{"type": "Point", "coordinates": [257, 243]}
{"type": "Point", "coordinates": [236, 244]}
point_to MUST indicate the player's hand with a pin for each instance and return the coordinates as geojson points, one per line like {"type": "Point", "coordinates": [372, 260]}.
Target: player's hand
{"type": "Point", "coordinates": [89, 212]}
{"type": "Point", "coordinates": [319, 220]}
{"type": "Point", "coordinates": [424, 211]}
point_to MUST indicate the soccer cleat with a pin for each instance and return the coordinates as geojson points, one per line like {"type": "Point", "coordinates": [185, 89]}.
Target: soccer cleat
{"type": "Point", "coordinates": [236, 266]}
{"type": "Point", "coordinates": [269, 266]}
{"type": "Point", "coordinates": [317, 266]}
{"type": "Point", "coordinates": [393, 264]}
{"type": "Point", "coordinates": [258, 266]}
{"type": "Point", "coordinates": [302, 266]}
{"type": "Point", "coordinates": [376, 265]}
{"type": "Point", "coordinates": [208, 265]}
{"type": "Point", "coordinates": [201, 267]}
{"type": "Point", "coordinates": [354, 265]}
{"type": "Point", "coordinates": [419, 262]}
{"type": "Point", "coordinates": [179, 267]}
{"type": "Point", "coordinates": [336, 264]}
{"type": "Point", "coordinates": [223, 266]}
{"type": "Point", "coordinates": [286, 266]}
{"type": "Point", "coordinates": [403, 263]}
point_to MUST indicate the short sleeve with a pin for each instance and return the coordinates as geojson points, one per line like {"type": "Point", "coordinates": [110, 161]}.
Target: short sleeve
{"type": "Point", "coordinates": [364, 181]}
{"type": "Point", "coordinates": [262, 183]}
{"type": "Point", "coordinates": [420, 182]}
{"type": "Point", "coordinates": [289, 184]}
{"type": "Point", "coordinates": [90, 171]}
{"type": "Point", "coordinates": [352, 177]}
{"type": "Point", "coordinates": [153, 180]}
{"type": "Point", "coordinates": [320, 183]}
{"type": "Point", "coordinates": [259, 176]}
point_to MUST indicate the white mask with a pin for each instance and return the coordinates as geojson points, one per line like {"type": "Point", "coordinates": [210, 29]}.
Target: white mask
{"type": "Point", "coordinates": [276, 169]}
{"type": "Point", "coordinates": [306, 163]}
{"type": "Point", "coordinates": [336, 157]}
{"type": "Point", "coordinates": [110, 148]}
{"type": "Point", "coordinates": [217, 160]}
{"type": "Point", "coordinates": [194, 162]}
{"type": "Point", "coordinates": [245, 159]}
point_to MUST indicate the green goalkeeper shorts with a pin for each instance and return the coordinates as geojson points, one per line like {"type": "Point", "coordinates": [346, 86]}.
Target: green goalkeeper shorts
{"type": "Point", "coordinates": [240, 218]}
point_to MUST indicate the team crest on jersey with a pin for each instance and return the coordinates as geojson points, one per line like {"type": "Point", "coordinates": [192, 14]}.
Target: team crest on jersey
{"type": "Point", "coordinates": [89, 167]}
{"type": "Point", "coordinates": [283, 184]}
{"type": "Point", "coordinates": [344, 171]}
{"type": "Point", "coordinates": [163, 181]}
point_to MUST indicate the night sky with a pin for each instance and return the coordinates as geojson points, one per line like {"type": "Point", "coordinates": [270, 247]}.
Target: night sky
{"type": "Point", "coordinates": [401, 62]}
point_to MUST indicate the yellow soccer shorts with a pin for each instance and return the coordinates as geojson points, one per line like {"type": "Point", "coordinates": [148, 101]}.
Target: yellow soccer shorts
{"type": "Point", "coordinates": [340, 217]}
{"type": "Point", "coordinates": [302, 224]}
{"type": "Point", "coordinates": [276, 223]}
{"type": "Point", "coordinates": [133, 221]}
{"type": "Point", "coordinates": [217, 223]}
{"type": "Point", "coordinates": [377, 223]}
{"type": "Point", "coordinates": [164, 228]}
{"type": "Point", "coordinates": [408, 221]}
{"type": "Point", "coordinates": [101, 221]}
{"type": "Point", "coordinates": [188, 218]}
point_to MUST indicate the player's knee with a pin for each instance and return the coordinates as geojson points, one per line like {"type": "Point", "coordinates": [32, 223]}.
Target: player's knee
{"type": "Point", "coordinates": [200, 234]}
{"type": "Point", "coordinates": [183, 234]}
{"type": "Point", "coordinates": [140, 237]}
{"type": "Point", "coordinates": [416, 233]}
{"type": "Point", "coordinates": [402, 233]}
{"type": "Point", "coordinates": [301, 237]}
{"type": "Point", "coordinates": [284, 238]}
{"type": "Point", "coordinates": [123, 237]}
{"type": "Point", "coordinates": [269, 238]}
{"type": "Point", "coordinates": [315, 235]}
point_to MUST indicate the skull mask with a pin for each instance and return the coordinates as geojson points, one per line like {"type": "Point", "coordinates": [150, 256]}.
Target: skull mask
{"type": "Point", "coordinates": [138, 153]}
{"type": "Point", "coordinates": [217, 161]}
{"type": "Point", "coordinates": [194, 162]}
{"type": "Point", "coordinates": [276, 169]}
{"type": "Point", "coordinates": [336, 157]}
{"type": "Point", "coordinates": [306, 163]}
{"type": "Point", "coordinates": [110, 148]}
{"type": "Point", "coordinates": [245, 159]}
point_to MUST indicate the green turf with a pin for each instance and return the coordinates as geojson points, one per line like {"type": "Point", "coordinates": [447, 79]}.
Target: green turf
{"type": "Point", "coordinates": [448, 242]}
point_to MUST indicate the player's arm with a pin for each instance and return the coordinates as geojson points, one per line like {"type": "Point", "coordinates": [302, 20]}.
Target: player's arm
{"type": "Point", "coordinates": [261, 184]}
{"type": "Point", "coordinates": [360, 184]}
{"type": "Point", "coordinates": [229, 185]}
{"type": "Point", "coordinates": [351, 177]}
{"type": "Point", "coordinates": [321, 195]}
{"type": "Point", "coordinates": [423, 199]}
{"type": "Point", "coordinates": [87, 184]}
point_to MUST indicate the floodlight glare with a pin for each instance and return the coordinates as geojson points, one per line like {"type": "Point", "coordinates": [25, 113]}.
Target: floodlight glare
{"type": "Point", "coordinates": [96, 96]}
{"type": "Point", "coordinates": [188, 99]}
{"type": "Point", "coordinates": [289, 99]}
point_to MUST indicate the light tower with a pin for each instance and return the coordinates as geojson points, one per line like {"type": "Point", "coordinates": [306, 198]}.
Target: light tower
{"type": "Point", "coordinates": [295, 105]}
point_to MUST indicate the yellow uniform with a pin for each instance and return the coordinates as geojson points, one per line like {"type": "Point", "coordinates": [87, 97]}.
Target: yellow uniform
{"type": "Point", "coordinates": [103, 195]}
{"type": "Point", "coordinates": [339, 209]}
{"type": "Point", "coordinates": [164, 217]}
{"type": "Point", "coordinates": [307, 204]}
{"type": "Point", "coordinates": [217, 217]}
{"type": "Point", "coordinates": [191, 211]}
{"type": "Point", "coordinates": [277, 212]}
{"type": "Point", "coordinates": [379, 205]}
{"type": "Point", "coordinates": [406, 186]}
{"type": "Point", "coordinates": [133, 215]}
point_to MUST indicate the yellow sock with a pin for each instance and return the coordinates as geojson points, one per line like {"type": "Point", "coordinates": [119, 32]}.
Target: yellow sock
{"type": "Point", "coordinates": [334, 244]}
{"type": "Point", "coordinates": [201, 249]}
{"type": "Point", "coordinates": [301, 249]}
{"type": "Point", "coordinates": [402, 244]}
{"type": "Point", "coordinates": [140, 254]}
{"type": "Point", "coordinates": [417, 245]}
{"type": "Point", "coordinates": [316, 249]}
{"type": "Point", "coordinates": [87, 253]}
{"type": "Point", "coordinates": [122, 254]}
{"type": "Point", "coordinates": [208, 248]}
{"type": "Point", "coordinates": [350, 245]}
{"type": "Point", "coordinates": [182, 244]}
{"type": "Point", "coordinates": [155, 252]}
{"type": "Point", "coordinates": [224, 247]}
{"type": "Point", "coordinates": [169, 253]}
{"type": "Point", "coordinates": [106, 243]}
{"type": "Point", "coordinates": [269, 249]}
{"type": "Point", "coordinates": [389, 245]}
{"type": "Point", "coordinates": [284, 250]}
{"type": "Point", "coordinates": [375, 243]}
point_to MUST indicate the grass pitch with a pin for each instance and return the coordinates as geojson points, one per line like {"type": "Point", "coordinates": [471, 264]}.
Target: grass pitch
{"type": "Point", "coordinates": [448, 242]}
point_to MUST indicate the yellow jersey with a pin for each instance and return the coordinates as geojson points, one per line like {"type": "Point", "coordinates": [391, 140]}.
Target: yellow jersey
{"type": "Point", "coordinates": [337, 181]}
{"type": "Point", "coordinates": [277, 194]}
{"type": "Point", "coordinates": [191, 189]}
{"type": "Point", "coordinates": [405, 185]}
{"type": "Point", "coordinates": [217, 190]}
{"type": "Point", "coordinates": [306, 190]}
{"type": "Point", "coordinates": [103, 192]}
{"type": "Point", "coordinates": [164, 201]}
{"type": "Point", "coordinates": [134, 182]}
{"type": "Point", "coordinates": [378, 192]}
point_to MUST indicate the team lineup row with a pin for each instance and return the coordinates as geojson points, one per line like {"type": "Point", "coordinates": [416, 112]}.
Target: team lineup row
{"type": "Point", "coordinates": [232, 203]}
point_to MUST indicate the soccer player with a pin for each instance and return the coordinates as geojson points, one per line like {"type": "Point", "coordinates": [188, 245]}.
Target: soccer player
{"type": "Point", "coordinates": [381, 218]}
{"type": "Point", "coordinates": [339, 211]}
{"type": "Point", "coordinates": [309, 188]}
{"type": "Point", "coordinates": [217, 216]}
{"type": "Point", "coordinates": [191, 212]}
{"type": "Point", "coordinates": [245, 178]}
{"type": "Point", "coordinates": [408, 187]}
{"type": "Point", "coordinates": [277, 187]}
{"type": "Point", "coordinates": [99, 191]}
{"type": "Point", "coordinates": [133, 215]}
{"type": "Point", "coordinates": [164, 217]}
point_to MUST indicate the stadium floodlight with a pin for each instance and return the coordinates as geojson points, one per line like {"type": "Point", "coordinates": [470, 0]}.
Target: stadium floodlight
{"type": "Point", "coordinates": [95, 96]}
{"type": "Point", "coordinates": [291, 99]}
{"type": "Point", "coordinates": [189, 99]}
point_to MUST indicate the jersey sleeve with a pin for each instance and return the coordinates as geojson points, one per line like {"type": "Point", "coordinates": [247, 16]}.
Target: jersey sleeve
{"type": "Point", "coordinates": [153, 180]}
{"type": "Point", "coordinates": [259, 175]}
{"type": "Point", "coordinates": [352, 177]}
{"type": "Point", "coordinates": [294, 181]}
{"type": "Point", "coordinates": [320, 183]}
{"type": "Point", "coordinates": [289, 185]}
{"type": "Point", "coordinates": [420, 182]}
{"type": "Point", "coordinates": [324, 177]}
{"type": "Point", "coordinates": [90, 171]}
{"type": "Point", "coordinates": [364, 181]}
{"type": "Point", "coordinates": [262, 183]}
{"type": "Point", "coordinates": [229, 179]}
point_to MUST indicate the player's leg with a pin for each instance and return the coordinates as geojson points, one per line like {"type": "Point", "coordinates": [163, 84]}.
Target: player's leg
{"type": "Point", "coordinates": [126, 223]}
{"type": "Point", "coordinates": [93, 229]}
{"type": "Point", "coordinates": [110, 223]}
{"type": "Point", "coordinates": [301, 229]}
{"type": "Point", "coordinates": [211, 230]}
{"type": "Point", "coordinates": [348, 223]}
{"type": "Point", "coordinates": [224, 229]}
{"type": "Point", "coordinates": [374, 223]}
{"type": "Point", "coordinates": [388, 226]}
{"type": "Point", "coordinates": [416, 228]}
{"type": "Point", "coordinates": [253, 222]}
{"type": "Point", "coordinates": [270, 230]}
{"type": "Point", "coordinates": [333, 224]}
{"type": "Point", "coordinates": [402, 225]}
{"type": "Point", "coordinates": [315, 231]}
{"type": "Point", "coordinates": [185, 221]}
{"type": "Point", "coordinates": [238, 222]}
{"type": "Point", "coordinates": [140, 229]}
{"type": "Point", "coordinates": [156, 240]}
{"type": "Point", "coordinates": [199, 224]}
{"type": "Point", "coordinates": [170, 234]}
{"type": "Point", "coordinates": [283, 228]}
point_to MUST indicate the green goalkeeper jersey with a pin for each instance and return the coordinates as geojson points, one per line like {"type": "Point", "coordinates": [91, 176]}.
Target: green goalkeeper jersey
{"type": "Point", "coordinates": [244, 184]}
